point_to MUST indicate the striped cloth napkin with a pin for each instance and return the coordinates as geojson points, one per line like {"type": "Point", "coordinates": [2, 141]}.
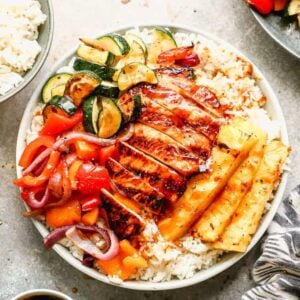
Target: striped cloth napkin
{"type": "Point", "coordinates": [277, 271]}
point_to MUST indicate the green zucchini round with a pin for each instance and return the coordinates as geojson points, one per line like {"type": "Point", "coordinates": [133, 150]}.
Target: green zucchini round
{"type": "Point", "coordinates": [91, 111]}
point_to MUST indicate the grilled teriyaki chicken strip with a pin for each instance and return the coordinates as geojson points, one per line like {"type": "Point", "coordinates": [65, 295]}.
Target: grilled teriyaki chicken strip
{"type": "Point", "coordinates": [186, 87]}
{"type": "Point", "coordinates": [165, 149]}
{"type": "Point", "coordinates": [135, 187]}
{"type": "Point", "coordinates": [163, 120]}
{"type": "Point", "coordinates": [123, 215]}
{"type": "Point", "coordinates": [165, 179]}
{"type": "Point", "coordinates": [183, 108]}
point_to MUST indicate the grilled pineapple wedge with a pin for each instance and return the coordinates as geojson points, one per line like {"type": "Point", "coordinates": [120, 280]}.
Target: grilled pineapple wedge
{"type": "Point", "coordinates": [238, 234]}
{"type": "Point", "coordinates": [215, 219]}
{"type": "Point", "coordinates": [233, 148]}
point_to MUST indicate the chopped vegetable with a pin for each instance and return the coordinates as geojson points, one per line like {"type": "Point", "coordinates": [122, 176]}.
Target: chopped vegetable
{"type": "Point", "coordinates": [280, 4]}
{"type": "Point", "coordinates": [91, 109]}
{"type": "Point", "coordinates": [90, 202]}
{"type": "Point", "coordinates": [91, 217]}
{"type": "Point", "coordinates": [135, 73]}
{"type": "Point", "coordinates": [86, 151]}
{"type": "Point", "coordinates": [130, 107]}
{"type": "Point", "coordinates": [102, 71]}
{"type": "Point", "coordinates": [92, 178]}
{"type": "Point", "coordinates": [262, 6]}
{"type": "Point", "coordinates": [113, 43]}
{"type": "Point", "coordinates": [56, 123]}
{"type": "Point", "coordinates": [106, 152]}
{"type": "Point", "coordinates": [108, 89]}
{"type": "Point", "coordinates": [56, 82]}
{"type": "Point", "coordinates": [125, 263]}
{"type": "Point", "coordinates": [32, 181]}
{"type": "Point", "coordinates": [66, 214]}
{"type": "Point", "coordinates": [33, 148]}
{"type": "Point", "coordinates": [189, 61]}
{"type": "Point", "coordinates": [171, 55]}
{"type": "Point", "coordinates": [95, 55]}
{"type": "Point", "coordinates": [109, 120]}
{"type": "Point", "coordinates": [61, 105]}
{"type": "Point", "coordinates": [81, 85]}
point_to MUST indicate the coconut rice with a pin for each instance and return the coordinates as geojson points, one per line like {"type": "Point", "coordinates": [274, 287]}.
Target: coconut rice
{"type": "Point", "coordinates": [19, 22]}
{"type": "Point", "coordinates": [230, 77]}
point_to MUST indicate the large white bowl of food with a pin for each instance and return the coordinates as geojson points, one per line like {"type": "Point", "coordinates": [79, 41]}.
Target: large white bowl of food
{"type": "Point", "coordinates": [152, 157]}
{"type": "Point", "coordinates": [25, 40]}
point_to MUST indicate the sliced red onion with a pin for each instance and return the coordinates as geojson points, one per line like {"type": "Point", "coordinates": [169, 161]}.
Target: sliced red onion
{"type": "Point", "coordinates": [33, 202]}
{"type": "Point", "coordinates": [112, 243]}
{"type": "Point", "coordinates": [73, 135]}
{"type": "Point", "coordinates": [38, 160]}
{"type": "Point", "coordinates": [89, 247]}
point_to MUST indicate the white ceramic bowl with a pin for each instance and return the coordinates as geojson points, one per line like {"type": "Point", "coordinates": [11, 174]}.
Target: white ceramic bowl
{"type": "Point", "coordinates": [45, 40]}
{"type": "Point", "coordinates": [227, 260]}
{"type": "Point", "coordinates": [41, 292]}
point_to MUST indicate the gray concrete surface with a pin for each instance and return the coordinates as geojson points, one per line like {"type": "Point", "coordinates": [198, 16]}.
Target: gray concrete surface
{"type": "Point", "coordinates": [24, 262]}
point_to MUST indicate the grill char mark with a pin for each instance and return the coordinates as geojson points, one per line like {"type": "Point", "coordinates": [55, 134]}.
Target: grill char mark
{"type": "Point", "coordinates": [135, 187]}
{"type": "Point", "coordinates": [163, 120]}
{"type": "Point", "coordinates": [165, 149]}
{"type": "Point", "coordinates": [165, 179]}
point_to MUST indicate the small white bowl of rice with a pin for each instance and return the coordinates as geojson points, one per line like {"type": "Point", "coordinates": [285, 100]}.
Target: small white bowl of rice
{"type": "Point", "coordinates": [25, 40]}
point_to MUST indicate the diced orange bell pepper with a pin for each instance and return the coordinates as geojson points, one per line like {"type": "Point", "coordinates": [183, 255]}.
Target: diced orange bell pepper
{"type": "Point", "coordinates": [73, 171]}
{"type": "Point", "coordinates": [31, 181]}
{"type": "Point", "coordinates": [67, 214]}
{"type": "Point", "coordinates": [280, 4]}
{"type": "Point", "coordinates": [90, 218]}
{"type": "Point", "coordinates": [32, 148]}
{"type": "Point", "coordinates": [125, 263]}
{"type": "Point", "coordinates": [85, 150]}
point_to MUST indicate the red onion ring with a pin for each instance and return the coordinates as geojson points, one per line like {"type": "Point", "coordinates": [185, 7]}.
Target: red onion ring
{"type": "Point", "coordinates": [55, 184]}
{"type": "Point", "coordinates": [33, 202]}
{"type": "Point", "coordinates": [89, 247]}
{"type": "Point", "coordinates": [38, 160]}
{"type": "Point", "coordinates": [110, 238]}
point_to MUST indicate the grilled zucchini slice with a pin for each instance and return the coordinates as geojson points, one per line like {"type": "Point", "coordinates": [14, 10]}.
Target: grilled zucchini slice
{"type": "Point", "coordinates": [108, 89]}
{"type": "Point", "coordinates": [113, 43]}
{"type": "Point", "coordinates": [94, 55]}
{"type": "Point", "coordinates": [61, 105]}
{"type": "Point", "coordinates": [81, 85]}
{"type": "Point", "coordinates": [135, 73]}
{"type": "Point", "coordinates": [55, 86]}
{"type": "Point", "coordinates": [136, 54]}
{"type": "Point", "coordinates": [131, 37]}
{"type": "Point", "coordinates": [130, 107]}
{"type": "Point", "coordinates": [109, 120]}
{"type": "Point", "coordinates": [91, 109]}
{"type": "Point", "coordinates": [102, 71]}
{"type": "Point", "coordinates": [163, 40]}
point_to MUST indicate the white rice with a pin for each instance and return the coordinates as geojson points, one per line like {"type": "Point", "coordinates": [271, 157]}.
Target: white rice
{"type": "Point", "coordinates": [19, 22]}
{"type": "Point", "coordinates": [229, 76]}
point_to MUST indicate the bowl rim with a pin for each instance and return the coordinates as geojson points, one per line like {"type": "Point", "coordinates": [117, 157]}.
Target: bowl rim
{"type": "Point", "coordinates": [42, 292]}
{"type": "Point", "coordinates": [231, 258]}
{"type": "Point", "coordinates": [261, 21]}
{"type": "Point", "coordinates": [36, 67]}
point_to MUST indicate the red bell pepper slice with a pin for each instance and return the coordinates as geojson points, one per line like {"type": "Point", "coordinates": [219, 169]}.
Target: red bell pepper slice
{"type": "Point", "coordinates": [32, 181]}
{"type": "Point", "coordinates": [90, 202]}
{"type": "Point", "coordinates": [264, 7]}
{"type": "Point", "coordinates": [91, 179]}
{"type": "Point", "coordinates": [57, 123]}
{"type": "Point", "coordinates": [32, 149]}
{"type": "Point", "coordinates": [170, 56]}
{"type": "Point", "coordinates": [106, 152]}
{"type": "Point", "coordinates": [189, 61]}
